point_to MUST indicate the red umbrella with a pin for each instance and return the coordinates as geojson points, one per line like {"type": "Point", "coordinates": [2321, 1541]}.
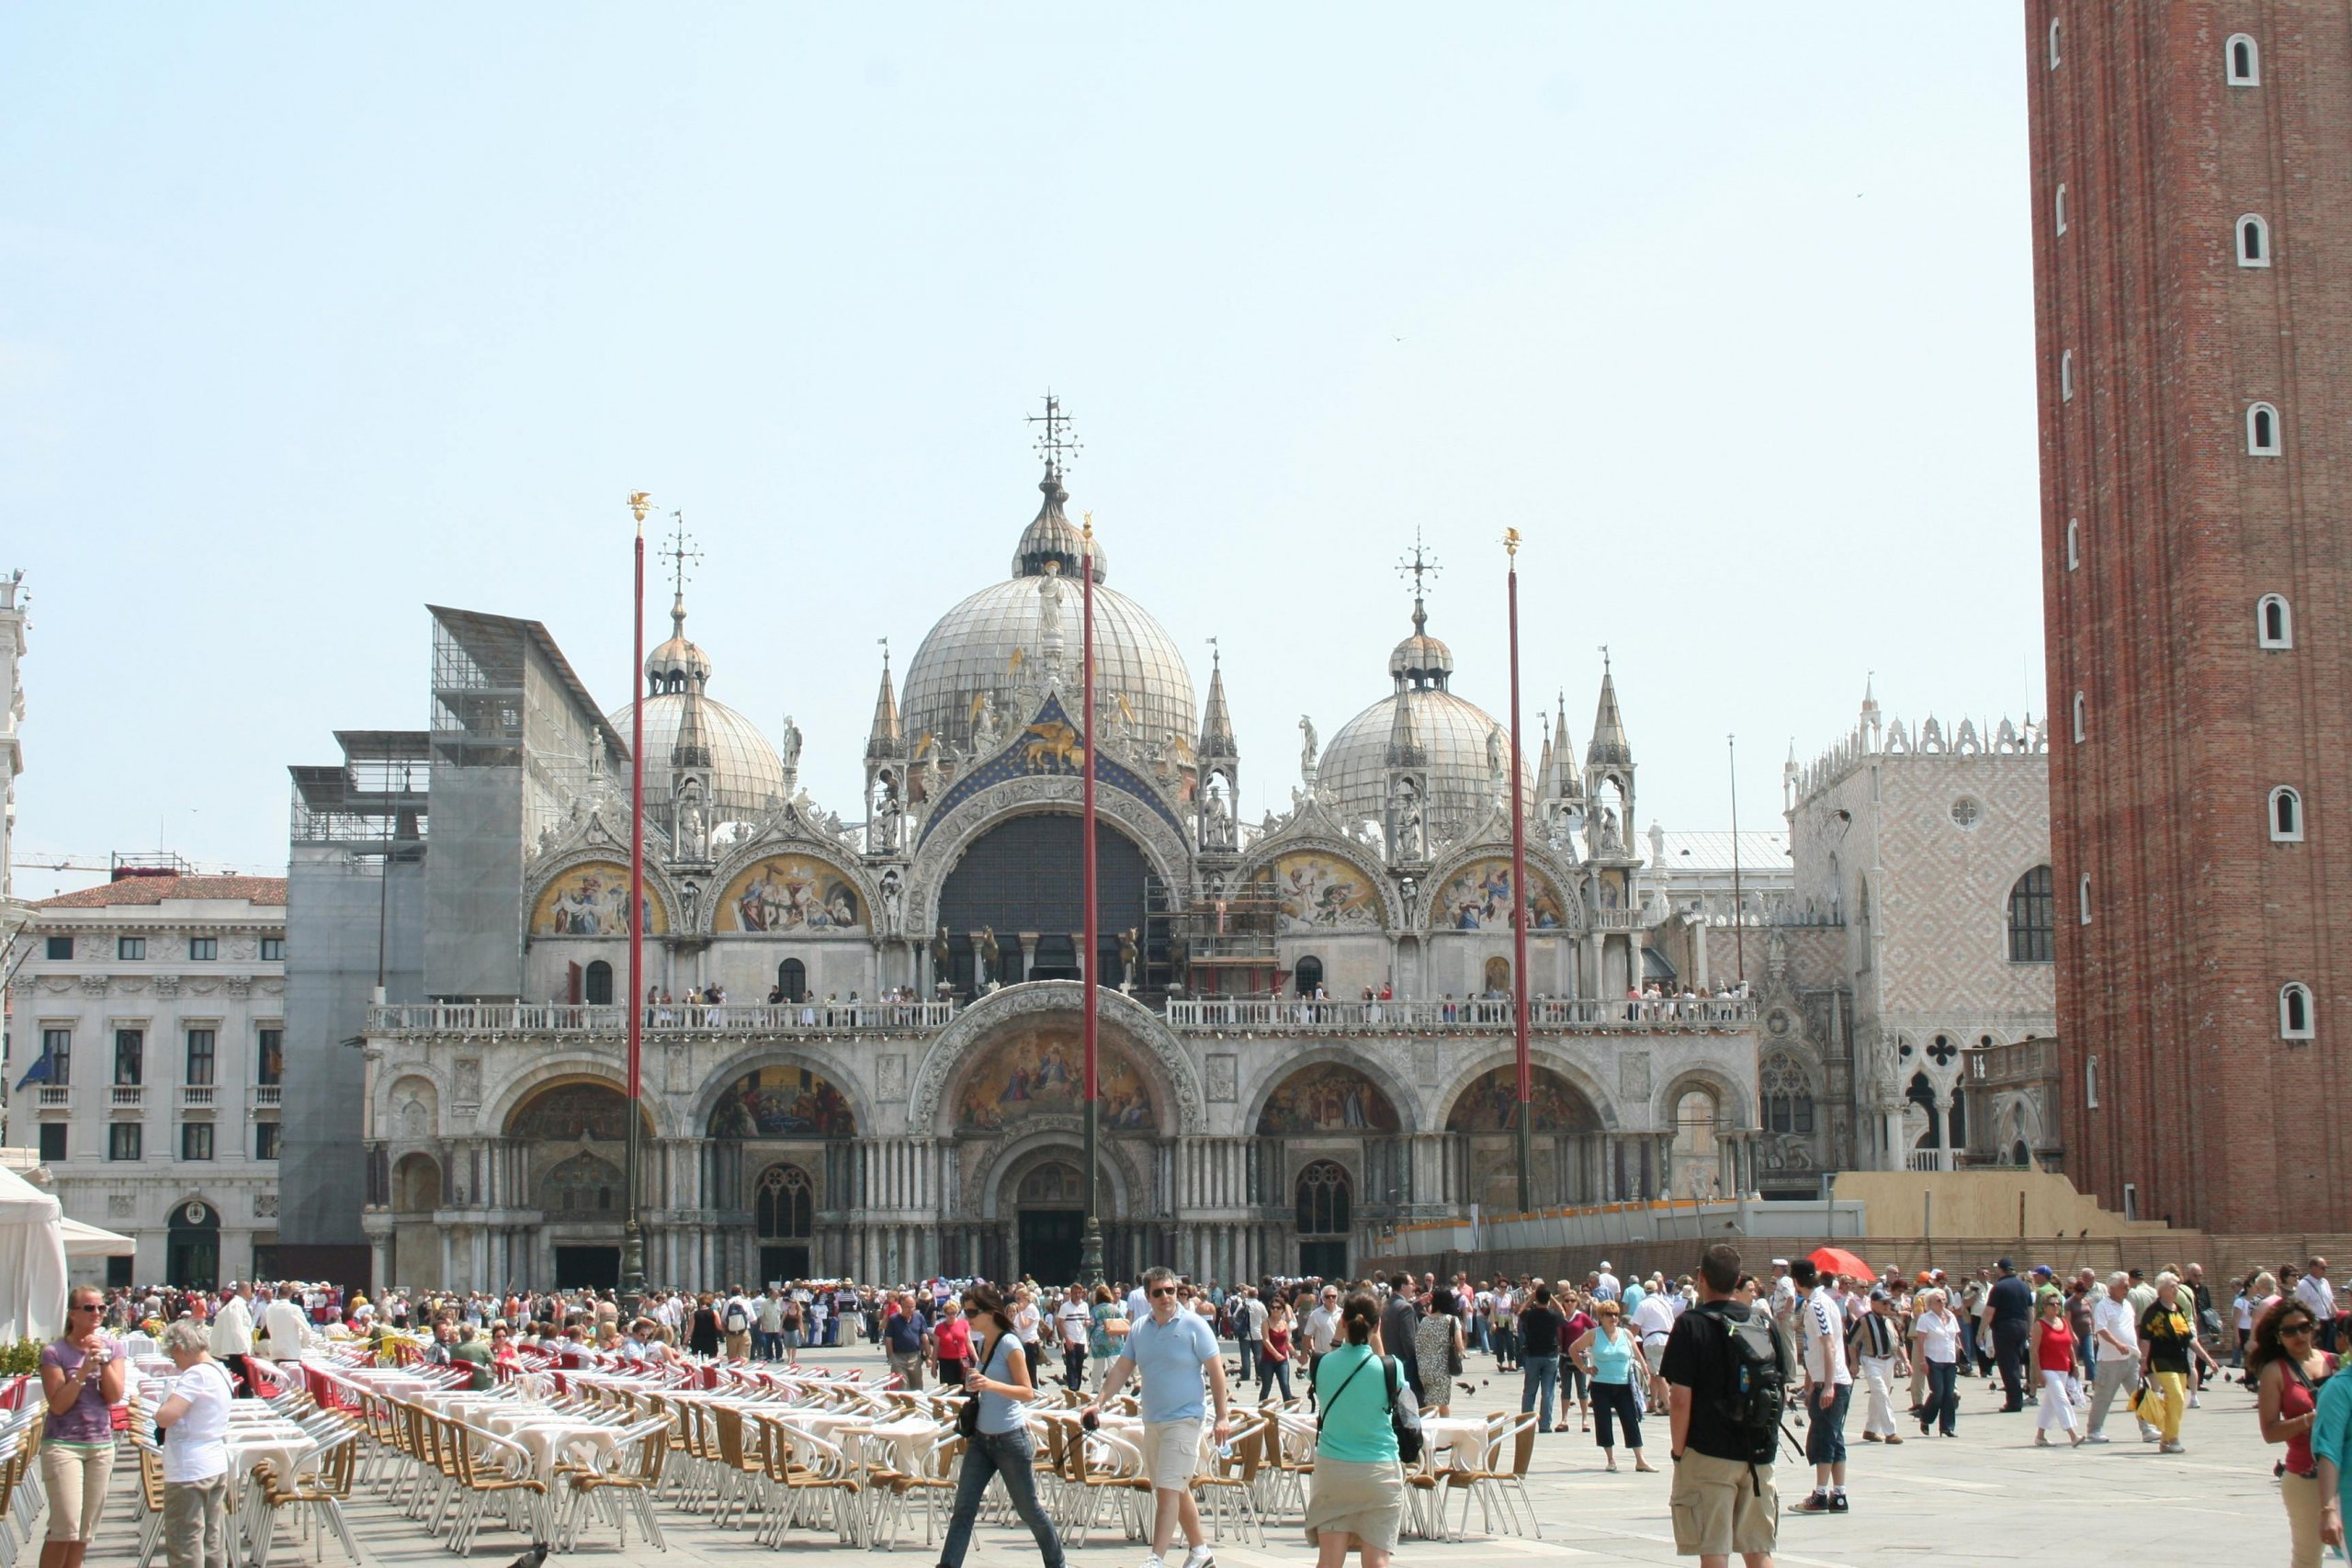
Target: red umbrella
{"type": "Point", "coordinates": [1837, 1260]}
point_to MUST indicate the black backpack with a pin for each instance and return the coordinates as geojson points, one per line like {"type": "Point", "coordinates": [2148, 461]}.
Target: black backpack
{"type": "Point", "coordinates": [1755, 1392]}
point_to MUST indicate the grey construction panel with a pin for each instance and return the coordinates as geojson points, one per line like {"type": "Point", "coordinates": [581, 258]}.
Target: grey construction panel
{"type": "Point", "coordinates": [332, 910]}
{"type": "Point", "coordinates": [473, 938]}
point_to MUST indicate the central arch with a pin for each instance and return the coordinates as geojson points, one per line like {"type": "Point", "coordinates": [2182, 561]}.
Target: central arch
{"type": "Point", "coordinates": [1055, 1006]}
{"type": "Point", "coordinates": [1569, 1143]}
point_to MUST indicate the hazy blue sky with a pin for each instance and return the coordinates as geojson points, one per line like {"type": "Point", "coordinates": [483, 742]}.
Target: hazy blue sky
{"type": "Point", "coordinates": [310, 315]}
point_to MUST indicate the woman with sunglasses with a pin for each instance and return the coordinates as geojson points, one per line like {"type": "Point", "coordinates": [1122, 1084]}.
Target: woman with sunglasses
{"type": "Point", "coordinates": [1001, 1380]}
{"type": "Point", "coordinates": [2287, 1365]}
{"type": "Point", "coordinates": [1607, 1354]}
{"type": "Point", "coordinates": [82, 1373]}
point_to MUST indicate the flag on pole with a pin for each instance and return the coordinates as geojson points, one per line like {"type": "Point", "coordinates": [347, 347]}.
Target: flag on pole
{"type": "Point", "coordinates": [44, 1067]}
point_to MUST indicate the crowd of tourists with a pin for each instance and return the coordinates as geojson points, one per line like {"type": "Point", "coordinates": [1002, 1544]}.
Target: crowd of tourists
{"type": "Point", "coordinates": [1737, 1366]}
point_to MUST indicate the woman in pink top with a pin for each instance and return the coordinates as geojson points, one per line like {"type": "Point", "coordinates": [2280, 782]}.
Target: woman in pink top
{"type": "Point", "coordinates": [1574, 1382]}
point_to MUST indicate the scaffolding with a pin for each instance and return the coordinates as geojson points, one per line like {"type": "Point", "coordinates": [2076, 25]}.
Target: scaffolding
{"type": "Point", "coordinates": [1221, 944]}
{"type": "Point", "coordinates": [374, 802]}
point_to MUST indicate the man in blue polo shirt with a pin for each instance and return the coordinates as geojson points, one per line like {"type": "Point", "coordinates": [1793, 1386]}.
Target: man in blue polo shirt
{"type": "Point", "coordinates": [1177, 1355]}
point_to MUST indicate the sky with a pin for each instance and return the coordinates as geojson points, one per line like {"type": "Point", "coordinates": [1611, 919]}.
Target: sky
{"type": "Point", "coordinates": [311, 316]}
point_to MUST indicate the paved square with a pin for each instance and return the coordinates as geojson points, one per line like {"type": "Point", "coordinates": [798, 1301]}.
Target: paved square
{"type": "Point", "coordinates": [1986, 1496]}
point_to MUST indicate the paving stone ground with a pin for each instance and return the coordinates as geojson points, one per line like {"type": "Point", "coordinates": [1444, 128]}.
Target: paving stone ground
{"type": "Point", "coordinates": [1987, 1496]}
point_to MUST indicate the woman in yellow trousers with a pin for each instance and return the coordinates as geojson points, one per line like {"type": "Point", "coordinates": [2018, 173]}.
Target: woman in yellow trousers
{"type": "Point", "coordinates": [2168, 1341]}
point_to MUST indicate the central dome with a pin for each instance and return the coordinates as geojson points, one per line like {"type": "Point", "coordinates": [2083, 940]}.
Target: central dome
{"type": "Point", "coordinates": [746, 775]}
{"type": "Point", "coordinates": [1449, 731]}
{"type": "Point", "coordinates": [994, 642]}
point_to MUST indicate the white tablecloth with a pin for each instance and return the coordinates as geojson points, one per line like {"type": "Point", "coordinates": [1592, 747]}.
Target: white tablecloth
{"type": "Point", "coordinates": [1456, 1440]}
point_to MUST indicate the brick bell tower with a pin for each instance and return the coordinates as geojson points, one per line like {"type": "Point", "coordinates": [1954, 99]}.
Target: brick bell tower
{"type": "Point", "coordinates": [2192, 241]}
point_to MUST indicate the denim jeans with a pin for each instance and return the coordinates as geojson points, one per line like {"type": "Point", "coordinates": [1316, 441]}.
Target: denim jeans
{"type": "Point", "coordinates": [1539, 1387]}
{"type": "Point", "coordinates": [1272, 1369]}
{"type": "Point", "coordinates": [1824, 1426]}
{"type": "Point", "coordinates": [988, 1455]}
{"type": "Point", "coordinates": [1942, 1408]}
{"type": "Point", "coordinates": [1249, 1359]}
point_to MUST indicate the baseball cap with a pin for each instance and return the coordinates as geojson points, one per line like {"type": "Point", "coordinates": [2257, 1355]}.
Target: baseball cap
{"type": "Point", "coordinates": [2042, 1269]}
{"type": "Point", "coordinates": [1780, 1263]}
{"type": "Point", "coordinates": [2005, 1263]}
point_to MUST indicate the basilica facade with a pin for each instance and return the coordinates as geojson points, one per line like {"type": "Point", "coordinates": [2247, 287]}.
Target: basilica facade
{"type": "Point", "coordinates": [861, 1047]}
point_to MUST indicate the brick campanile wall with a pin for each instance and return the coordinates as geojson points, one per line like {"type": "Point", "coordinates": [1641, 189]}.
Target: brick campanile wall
{"type": "Point", "coordinates": [2197, 918]}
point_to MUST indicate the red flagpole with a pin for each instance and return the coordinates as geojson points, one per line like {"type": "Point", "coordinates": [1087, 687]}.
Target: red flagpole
{"type": "Point", "coordinates": [1519, 912]}
{"type": "Point", "coordinates": [632, 1237]}
{"type": "Point", "coordinates": [1090, 1260]}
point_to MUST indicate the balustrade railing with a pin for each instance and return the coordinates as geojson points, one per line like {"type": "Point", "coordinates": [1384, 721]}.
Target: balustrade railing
{"type": "Point", "coordinates": [1930, 1159]}
{"type": "Point", "coordinates": [55, 1095]}
{"type": "Point", "coordinates": [660, 1018]}
{"type": "Point", "coordinates": [269, 1096]}
{"type": "Point", "coordinates": [197, 1096]}
{"type": "Point", "coordinates": [1303, 1015]}
{"type": "Point", "coordinates": [128, 1096]}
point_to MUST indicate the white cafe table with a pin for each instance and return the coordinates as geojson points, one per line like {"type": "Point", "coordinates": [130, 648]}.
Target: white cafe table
{"type": "Point", "coordinates": [1462, 1438]}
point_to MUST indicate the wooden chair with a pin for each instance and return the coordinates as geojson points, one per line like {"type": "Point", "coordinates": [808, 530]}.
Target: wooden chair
{"type": "Point", "coordinates": [1230, 1483]}
{"type": "Point", "coordinates": [633, 1477]}
{"type": "Point", "coordinates": [318, 1494]}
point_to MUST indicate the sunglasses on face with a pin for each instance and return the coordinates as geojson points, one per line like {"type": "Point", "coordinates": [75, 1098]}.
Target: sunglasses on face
{"type": "Point", "coordinates": [2286, 1329]}
{"type": "Point", "coordinates": [89, 1306]}
{"type": "Point", "coordinates": [1160, 1291]}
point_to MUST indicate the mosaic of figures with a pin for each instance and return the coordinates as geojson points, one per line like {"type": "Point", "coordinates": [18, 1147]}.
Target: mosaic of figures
{"type": "Point", "coordinates": [789, 893]}
{"type": "Point", "coordinates": [569, 1112]}
{"type": "Point", "coordinates": [1491, 1104]}
{"type": "Point", "coordinates": [1328, 1098]}
{"type": "Point", "coordinates": [1322, 893]}
{"type": "Point", "coordinates": [592, 900]}
{"type": "Point", "coordinates": [1478, 897]}
{"type": "Point", "coordinates": [1043, 1071]}
{"type": "Point", "coordinates": [782, 1102]}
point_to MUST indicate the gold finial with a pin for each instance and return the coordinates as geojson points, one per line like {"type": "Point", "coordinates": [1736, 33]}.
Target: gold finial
{"type": "Point", "coordinates": [1088, 518]}
{"type": "Point", "coordinates": [639, 501]}
{"type": "Point", "coordinates": [1511, 542]}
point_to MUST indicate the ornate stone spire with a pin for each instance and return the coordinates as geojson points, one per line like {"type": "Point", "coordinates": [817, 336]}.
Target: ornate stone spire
{"type": "Point", "coordinates": [1609, 742]}
{"type": "Point", "coordinates": [1216, 725]}
{"type": "Point", "coordinates": [885, 739]}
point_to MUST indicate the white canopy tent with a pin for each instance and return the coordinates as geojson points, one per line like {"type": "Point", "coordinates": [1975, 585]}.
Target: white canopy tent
{"type": "Point", "coordinates": [89, 1241]}
{"type": "Point", "coordinates": [32, 1261]}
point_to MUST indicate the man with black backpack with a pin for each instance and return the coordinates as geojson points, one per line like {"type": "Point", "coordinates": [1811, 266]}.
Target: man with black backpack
{"type": "Point", "coordinates": [1728, 1370]}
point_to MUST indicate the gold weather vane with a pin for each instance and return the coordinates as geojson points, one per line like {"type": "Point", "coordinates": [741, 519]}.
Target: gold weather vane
{"type": "Point", "coordinates": [638, 501]}
{"type": "Point", "coordinates": [1511, 542]}
{"type": "Point", "coordinates": [680, 551]}
{"type": "Point", "coordinates": [1054, 442]}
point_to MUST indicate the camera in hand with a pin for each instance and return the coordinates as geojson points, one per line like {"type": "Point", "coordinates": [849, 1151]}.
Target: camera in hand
{"type": "Point", "coordinates": [1090, 1421]}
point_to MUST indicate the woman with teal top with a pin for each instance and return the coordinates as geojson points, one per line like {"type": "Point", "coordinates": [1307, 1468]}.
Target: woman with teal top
{"type": "Point", "coordinates": [1608, 1353]}
{"type": "Point", "coordinates": [1100, 1346]}
{"type": "Point", "coordinates": [1001, 1380]}
{"type": "Point", "coordinates": [1356, 1492]}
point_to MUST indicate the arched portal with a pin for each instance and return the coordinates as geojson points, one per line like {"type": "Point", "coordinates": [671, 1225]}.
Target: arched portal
{"type": "Point", "coordinates": [1326, 1210]}
{"type": "Point", "coordinates": [572, 1135]}
{"type": "Point", "coordinates": [1569, 1151]}
{"type": "Point", "coordinates": [1050, 1200]}
{"type": "Point", "coordinates": [597, 984]}
{"type": "Point", "coordinates": [1697, 1152]}
{"type": "Point", "coordinates": [792, 979]}
{"type": "Point", "coordinates": [1309, 975]}
{"type": "Point", "coordinates": [1327, 1097]}
{"type": "Point", "coordinates": [1020, 880]}
{"type": "Point", "coordinates": [192, 1253]}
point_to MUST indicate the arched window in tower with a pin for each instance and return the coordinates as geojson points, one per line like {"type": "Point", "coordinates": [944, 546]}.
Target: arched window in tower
{"type": "Point", "coordinates": [2262, 430]}
{"type": "Point", "coordinates": [2033, 919]}
{"type": "Point", "coordinates": [597, 984]}
{"type": "Point", "coordinates": [2082, 718]}
{"type": "Point", "coordinates": [2286, 816]}
{"type": "Point", "coordinates": [2244, 59]}
{"type": "Point", "coordinates": [2083, 899]}
{"type": "Point", "coordinates": [792, 979]}
{"type": "Point", "coordinates": [1309, 975]}
{"type": "Point", "coordinates": [2090, 1082]}
{"type": "Point", "coordinates": [2061, 206]}
{"type": "Point", "coordinates": [2273, 621]}
{"type": "Point", "coordinates": [2295, 1020]}
{"type": "Point", "coordinates": [2066, 376]}
{"type": "Point", "coordinates": [2253, 242]}
{"type": "Point", "coordinates": [2074, 543]}
{"type": "Point", "coordinates": [2055, 39]}
{"type": "Point", "coordinates": [1788, 1098]}
{"type": "Point", "coordinates": [1325, 1202]}
{"type": "Point", "coordinates": [784, 1206]}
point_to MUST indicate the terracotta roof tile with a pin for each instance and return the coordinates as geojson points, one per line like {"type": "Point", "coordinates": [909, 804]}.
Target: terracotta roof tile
{"type": "Point", "coordinates": [131, 890]}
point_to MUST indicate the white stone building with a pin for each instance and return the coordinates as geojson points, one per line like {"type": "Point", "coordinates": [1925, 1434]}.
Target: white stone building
{"type": "Point", "coordinates": [146, 1024]}
{"type": "Point", "coordinates": [14, 618]}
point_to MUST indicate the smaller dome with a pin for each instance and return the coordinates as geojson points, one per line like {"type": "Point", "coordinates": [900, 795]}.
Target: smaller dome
{"type": "Point", "coordinates": [678, 662]}
{"type": "Point", "coordinates": [1421, 661]}
{"type": "Point", "coordinates": [1051, 536]}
